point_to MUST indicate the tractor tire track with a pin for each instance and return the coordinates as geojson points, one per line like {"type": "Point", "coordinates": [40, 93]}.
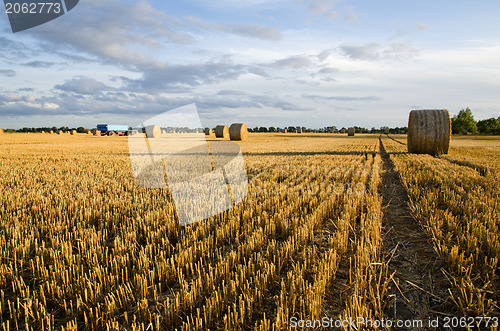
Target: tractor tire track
{"type": "Point", "coordinates": [418, 289]}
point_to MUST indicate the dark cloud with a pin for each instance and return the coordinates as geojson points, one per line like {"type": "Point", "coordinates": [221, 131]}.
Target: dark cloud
{"type": "Point", "coordinates": [7, 72]}
{"type": "Point", "coordinates": [82, 85]}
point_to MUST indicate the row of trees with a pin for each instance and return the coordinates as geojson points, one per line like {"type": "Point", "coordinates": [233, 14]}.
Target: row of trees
{"type": "Point", "coordinates": [461, 123]}
{"type": "Point", "coordinates": [329, 129]}
{"type": "Point", "coordinates": [464, 122]}
{"type": "Point", "coordinates": [80, 129]}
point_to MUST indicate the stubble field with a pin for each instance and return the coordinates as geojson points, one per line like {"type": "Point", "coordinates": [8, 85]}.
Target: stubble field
{"type": "Point", "coordinates": [332, 226]}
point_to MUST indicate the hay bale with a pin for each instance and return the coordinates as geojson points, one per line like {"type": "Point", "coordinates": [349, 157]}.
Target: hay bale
{"type": "Point", "coordinates": [43, 132]}
{"type": "Point", "coordinates": [73, 133]}
{"type": "Point", "coordinates": [222, 131]}
{"type": "Point", "coordinates": [60, 132]}
{"type": "Point", "coordinates": [1, 131]}
{"type": "Point", "coordinates": [350, 132]}
{"type": "Point", "coordinates": [97, 132]}
{"type": "Point", "coordinates": [238, 131]}
{"type": "Point", "coordinates": [299, 130]}
{"type": "Point", "coordinates": [153, 131]}
{"type": "Point", "coordinates": [89, 132]}
{"type": "Point", "coordinates": [285, 131]}
{"type": "Point", "coordinates": [342, 131]}
{"type": "Point", "coordinates": [208, 131]}
{"type": "Point", "coordinates": [429, 131]}
{"type": "Point", "coordinates": [51, 132]}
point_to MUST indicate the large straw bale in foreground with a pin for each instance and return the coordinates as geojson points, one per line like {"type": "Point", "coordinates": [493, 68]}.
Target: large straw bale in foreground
{"type": "Point", "coordinates": [429, 131]}
{"type": "Point", "coordinates": [238, 131]}
{"type": "Point", "coordinates": [350, 132]}
{"type": "Point", "coordinates": [153, 131]}
{"type": "Point", "coordinates": [222, 131]}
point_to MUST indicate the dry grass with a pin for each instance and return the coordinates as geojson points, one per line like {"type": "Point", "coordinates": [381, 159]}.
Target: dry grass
{"type": "Point", "coordinates": [84, 247]}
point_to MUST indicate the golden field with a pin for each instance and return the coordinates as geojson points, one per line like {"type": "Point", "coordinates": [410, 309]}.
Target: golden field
{"type": "Point", "coordinates": [321, 233]}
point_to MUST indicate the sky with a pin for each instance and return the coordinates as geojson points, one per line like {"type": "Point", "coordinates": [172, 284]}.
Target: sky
{"type": "Point", "coordinates": [313, 63]}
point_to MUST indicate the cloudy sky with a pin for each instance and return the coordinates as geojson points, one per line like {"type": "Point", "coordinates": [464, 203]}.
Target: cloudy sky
{"type": "Point", "coordinates": [312, 63]}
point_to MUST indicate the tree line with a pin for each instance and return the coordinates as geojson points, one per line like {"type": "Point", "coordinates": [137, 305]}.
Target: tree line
{"type": "Point", "coordinates": [464, 123]}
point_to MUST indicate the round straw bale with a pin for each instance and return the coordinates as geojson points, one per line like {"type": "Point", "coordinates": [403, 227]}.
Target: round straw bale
{"type": "Point", "coordinates": [51, 132]}
{"type": "Point", "coordinates": [285, 131]}
{"type": "Point", "coordinates": [73, 133]}
{"type": "Point", "coordinates": [429, 131]}
{"type": "Point", "coordinates": [342, 131]}
{"type": "Point", "coordinates": [61, 132]}
{"type": "Point", "coordinates": [238, 131]}
{"type": "Point", "coordinates": [153, 131]}
{"type": "Point", "coordinates": [97, 132]}
{"type": "Point", "coordinates": [208, 131]}
{"type": "Point", "coordinates": [299, 130]}
{"type": "Point", "coordinates": [350, 131]}
{"type": "Point", "coordinates": [1, 131]}
{"type": "Point", "coordinates": [222, 131]}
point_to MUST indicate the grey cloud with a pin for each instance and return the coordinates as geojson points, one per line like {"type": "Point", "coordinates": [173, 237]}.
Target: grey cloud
{"type": "Point", "coordinates": [39, 64]}
{"type": "Point", "coordinates": [340, 98]}
{"type": "Point", "coordinates": [254, 31]}
{"type": "Point", "coordinates": [328, 70]}
{"type": "Point", "coordinates": [183, 77]}
{"type": "Point", "coordinates": [293, 62]}
{"type": "Point", "coordinates": [231, 92]}
{"type": "Point", "coordinates": [114, 35]}
{"type": "Point", "coordinates": [25, 89]}
{"type": "Point", "coordinates": [245, 30]}
{"type": "Point", "coordinates": [82, 85]}
{"type": "Point", "coordinates": [378, 51]}
{"type": "Point", "coordinates": [7, 72]}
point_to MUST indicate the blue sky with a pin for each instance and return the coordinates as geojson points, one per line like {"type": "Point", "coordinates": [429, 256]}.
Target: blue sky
{"type": "Point", "coordinates": [313, 63]}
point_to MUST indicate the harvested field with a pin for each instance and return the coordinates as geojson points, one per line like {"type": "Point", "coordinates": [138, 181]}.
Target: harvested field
{"type": "Point", "coordinates": [332, 227]}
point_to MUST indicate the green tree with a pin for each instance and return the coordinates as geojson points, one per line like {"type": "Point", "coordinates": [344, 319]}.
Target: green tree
{"type": "Point", "coordinates": [490, 125]}
{"type": "Point", "coordinates": [464, 121]}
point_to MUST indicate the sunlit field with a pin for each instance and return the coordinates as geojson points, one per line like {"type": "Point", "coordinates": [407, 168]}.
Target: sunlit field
{"type": "Point", "coordinates": [332, 226]}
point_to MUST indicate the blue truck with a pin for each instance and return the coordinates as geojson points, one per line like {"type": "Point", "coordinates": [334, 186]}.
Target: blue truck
{"type": "Point", "coordinates": [109, 129]}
